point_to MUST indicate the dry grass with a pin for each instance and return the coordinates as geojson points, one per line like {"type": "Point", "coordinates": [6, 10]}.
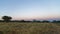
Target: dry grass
{"type": "Point", "coordinates": [29, 28]}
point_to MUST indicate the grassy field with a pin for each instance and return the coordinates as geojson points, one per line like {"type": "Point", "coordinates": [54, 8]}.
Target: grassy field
{"type": "Point", "coordinates": [29, 28]}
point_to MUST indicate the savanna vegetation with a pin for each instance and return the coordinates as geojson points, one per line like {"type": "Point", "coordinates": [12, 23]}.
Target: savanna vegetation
{"type": "Point", "coordinates": [28, 27]}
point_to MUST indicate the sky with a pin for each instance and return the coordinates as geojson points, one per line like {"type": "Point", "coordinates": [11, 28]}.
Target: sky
{"type": "Point", "coordinates": [30, 9]}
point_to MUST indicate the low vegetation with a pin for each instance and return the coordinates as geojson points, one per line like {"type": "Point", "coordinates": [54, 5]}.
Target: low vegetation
{"type": "Point", "coordinates": [29, 28]}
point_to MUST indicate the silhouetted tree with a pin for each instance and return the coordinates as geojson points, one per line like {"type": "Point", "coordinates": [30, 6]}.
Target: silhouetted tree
{"type": "Point", "coordinates": [54, 21]}
{"type": "Point", "coordinates": [37, 21]}
{"type": "Point", "coordinates": [58, 21]}
{"type": "Point", "coordinates": [6, 18]}
{"type": "Point", "coordinates": [45, 21]}
{"type": "Point", "coordinates": [22, 20]}
{"type": "Point", "coordinates": [34, 20]}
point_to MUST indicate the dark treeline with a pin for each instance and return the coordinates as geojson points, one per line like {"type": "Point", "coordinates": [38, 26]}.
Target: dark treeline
{"type": "Point", "coordinates": [37, 21]}
{"type": "Point", "coordinates": [8, 19]}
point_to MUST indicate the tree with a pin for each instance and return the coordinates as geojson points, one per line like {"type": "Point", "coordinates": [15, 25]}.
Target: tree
{"type": "Point", "coordinates": [54, 21]}
{"type": "Point", "coordinates": [34, 20]}
{"type": "Point", "coordinates": [45, 21]}
{"type": "Point", "coordinates": [6, 18]}
{"type": "Point", "coordinates": [22, 20]}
